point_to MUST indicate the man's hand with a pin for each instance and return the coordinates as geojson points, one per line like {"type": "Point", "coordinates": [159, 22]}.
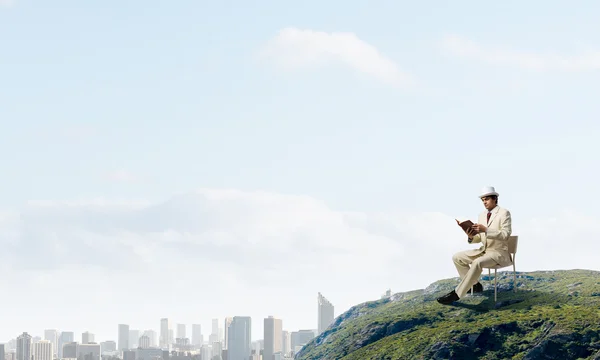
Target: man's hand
{"type": "Point", "coordinates": [479, 228]}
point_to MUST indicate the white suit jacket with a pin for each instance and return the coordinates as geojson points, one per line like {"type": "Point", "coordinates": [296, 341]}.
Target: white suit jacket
{"type": "Point", "coordinates": [495, 240]}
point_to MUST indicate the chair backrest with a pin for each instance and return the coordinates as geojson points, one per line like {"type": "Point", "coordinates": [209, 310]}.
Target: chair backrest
{"type": "Point", "coordinates": [512, 244]}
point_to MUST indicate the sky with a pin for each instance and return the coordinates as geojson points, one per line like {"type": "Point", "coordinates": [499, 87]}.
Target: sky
{"type": "Point", "coordinates": [196, 160]}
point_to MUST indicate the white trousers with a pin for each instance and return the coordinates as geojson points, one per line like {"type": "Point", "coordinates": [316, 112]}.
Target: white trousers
{"type": "Point", "coordinates": [469, 269]}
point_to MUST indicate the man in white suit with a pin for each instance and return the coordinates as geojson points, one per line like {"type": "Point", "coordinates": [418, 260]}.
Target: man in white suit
{"type": "Point", "coordinates": [492, 231]}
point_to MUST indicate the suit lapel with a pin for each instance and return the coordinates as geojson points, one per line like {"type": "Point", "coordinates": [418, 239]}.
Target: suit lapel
{"type": "Point", "coordinates": [494, 212]}
{"type": "Point", "coordinates": [482, 219]}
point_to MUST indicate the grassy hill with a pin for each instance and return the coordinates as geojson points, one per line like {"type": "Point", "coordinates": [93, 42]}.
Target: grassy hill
{"type": "Point", "coordinates": [553, 315]}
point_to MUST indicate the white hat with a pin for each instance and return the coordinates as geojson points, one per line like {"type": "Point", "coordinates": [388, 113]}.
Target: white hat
{"type": "Point", "coordinates": [487, 191]}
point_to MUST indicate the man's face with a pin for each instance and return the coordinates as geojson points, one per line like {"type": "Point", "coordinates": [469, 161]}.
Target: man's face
{"type": "Point", "coordinates": [488, 202]}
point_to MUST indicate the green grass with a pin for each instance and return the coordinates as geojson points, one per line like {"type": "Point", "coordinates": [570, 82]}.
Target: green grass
{"type": "Point", "coordinates": [554, 312]}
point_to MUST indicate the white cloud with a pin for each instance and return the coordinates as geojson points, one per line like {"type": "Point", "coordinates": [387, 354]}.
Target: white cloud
{"type": "Point", "coordinates": [503, 56]}
{"type": "Point", "coordinates": [295, 48]}
{"type": "Point", "coordinates": [215, 253]}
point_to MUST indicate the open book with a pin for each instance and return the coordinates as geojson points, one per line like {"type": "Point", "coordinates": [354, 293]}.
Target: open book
{"type": "Point", "coordinates": [467, 226]}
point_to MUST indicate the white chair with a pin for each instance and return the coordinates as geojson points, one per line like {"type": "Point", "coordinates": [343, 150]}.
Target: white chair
{"type": "Point", "coordinates": [513, 241]}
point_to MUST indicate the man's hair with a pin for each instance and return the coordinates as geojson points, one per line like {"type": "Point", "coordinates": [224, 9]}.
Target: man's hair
{"type": "Point", "coordinates": [493, 197]}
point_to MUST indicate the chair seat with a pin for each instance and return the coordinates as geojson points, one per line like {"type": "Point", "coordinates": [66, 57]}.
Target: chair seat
{"type": "Point", "coordinates": [512, 249]}
{"type": "Point", "coordinates": [496, 267]}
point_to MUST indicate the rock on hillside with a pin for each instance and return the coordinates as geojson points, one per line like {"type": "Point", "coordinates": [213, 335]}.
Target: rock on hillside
{"type": "Point", "coordinates": [552, 315]}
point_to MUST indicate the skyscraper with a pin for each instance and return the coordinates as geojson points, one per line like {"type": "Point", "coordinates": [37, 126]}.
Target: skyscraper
{"type": "Point", "coordinates": [134, 338]}
{"type": "Point", "coordinates": [197, 335]}
{"type": "Point", "coordinates": [43, 350]}
{"type": "Point", "coordinates": [181, 331]}
{"type": "Point", "coordinates": [286, 343]}
{"type": "Point", "coordinates": [71, 350]}
{"type": "Point", "coordinates": [52, 336]}
{"type": "Point", "coordinates": [325, 314]}
{"type": "Point", "coordinates": [144, 342]}
{"type": "Point", "coordinates": [165, 333]}
{"type": "Point", "coordinates": [151, 334]}
{"type": "Point", "coordinates": [272, 337]}
{"type": "Point", "coordinates": [215, 329]}
{"type": "Point", "coordinates": [87, 337]}
{"type": "Point", "coordinates": [239, 338]}
{"type": "Point", "coordinates": [88, 352]}
{"type": "Point", "coordinates": [228, 321]}
{"type": "Point", "coordinates": [66, 337]}
{"type": "Point", "coordinates": [217, 350]}
{"type": "Point", "coordinates": [123, 342]}
{"type": "Point", "coordinates": [24, 347]}
{"type": "Point", "coordinates": [300, 338]}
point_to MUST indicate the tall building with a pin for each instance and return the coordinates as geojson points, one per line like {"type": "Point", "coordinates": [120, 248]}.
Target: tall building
{"type": "Point", "coordinates": [66, 337]}
{"type": "Point", "coordinates": [108, 346]}
{"type": "Point", "coordinates": [212, 338]}
{"type": "Point", "coordinates": [134, 337]}
{"type": "Point", "coordinates": [226, 329]}
{"type": "Point", "coordinates": [215, 330]}
{"type": "Point", "coordinates": [87, 337]}
{"type": "Point", "coordinates": [123, 342]}
{"type": "Point", "coordinates": [11, 345]}
{"type": "Point", "coordinates": [2, 352]}
{"type": "Point", "coordinates": [273, 335]}
{"type": "Point", "coordinates": [285, 342]}
{"type": "Point", "coordinates": [257, 348]}
{"type": "Point", "coordinates": [52, 336]}
{"type": "Point", "coordinates": [197, 339]}
{"type": "Point", "coordinates": [325, 314]}
{"type": "Point", "coordinates": [165, 334]}
{"type": "Point", "coordinates": [88, 352]}
{"type": "Point", "coordinates": [239, 338]}
{"type": "Point", "coordinates": [205, 352]}
{"type": "Point", "coordinates": [181, 331]}
{"type": "Point", "coordinates": [217, 350]}
{"type": "Point", "coordinates": [144, 342]}
{"type": "Point", "coordinates": [24, 342]}
{"type": "Point", "coordinates": [300, 338]}
{"type": "Point", "coordinates": [151, 334]}
{"type": "Point", "coordinates": [70, 350]}
{"type": "Point", "coordinates": [43, 350]}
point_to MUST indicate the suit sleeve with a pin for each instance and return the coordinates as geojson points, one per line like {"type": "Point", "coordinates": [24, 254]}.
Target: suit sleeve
{"type": "Point", "coordinates": [505, 228]}
{"type": "Point", "coordinates": [475, 239]}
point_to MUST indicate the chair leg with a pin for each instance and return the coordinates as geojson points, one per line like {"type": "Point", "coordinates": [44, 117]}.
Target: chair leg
{"type": "Point", "coordinates": [495, 286]}
{"type": "Point", "coordinates": [514, 277]}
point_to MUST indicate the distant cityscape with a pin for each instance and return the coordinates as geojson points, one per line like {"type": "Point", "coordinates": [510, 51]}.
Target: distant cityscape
{"type": "Point", "coordinates": [229, 339]}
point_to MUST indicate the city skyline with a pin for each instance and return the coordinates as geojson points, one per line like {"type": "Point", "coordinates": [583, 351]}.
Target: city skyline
{"type": "Point", "coordinates": [239, 343]}
{"type": "Point", "coordinates": [124, 331]}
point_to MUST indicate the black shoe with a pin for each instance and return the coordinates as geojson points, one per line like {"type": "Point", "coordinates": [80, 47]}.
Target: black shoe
{"type": "Point", "coordinates": [477, 288]}
{"type": "Point", "coordinates": [448, 299]}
